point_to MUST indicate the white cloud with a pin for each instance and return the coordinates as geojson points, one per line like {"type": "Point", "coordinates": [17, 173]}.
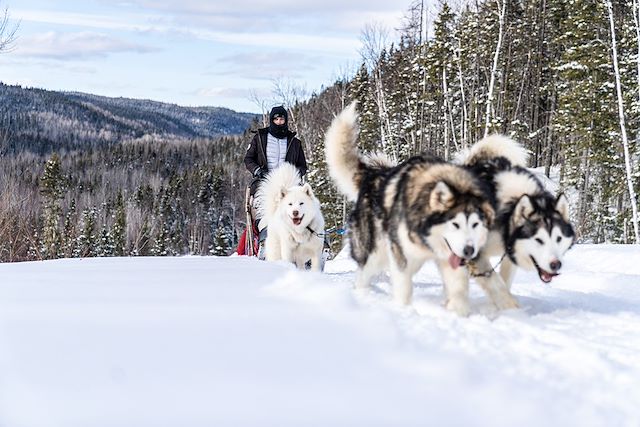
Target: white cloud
{"type": "Point", "coordinates": [232, 92]}
{"type": "Point", "coordinates": [331, 27]}
{"type": "Point", "coordinates": [79, 45]}
{"type": "Point", "coordinates": [263, 65]}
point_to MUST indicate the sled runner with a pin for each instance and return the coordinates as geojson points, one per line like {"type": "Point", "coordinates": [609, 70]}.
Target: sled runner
{"type": "Point", "coordinates": [248, 244]}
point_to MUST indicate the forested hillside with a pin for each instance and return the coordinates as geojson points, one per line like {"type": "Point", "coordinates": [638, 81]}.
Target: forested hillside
{"type": "Point", "coordinates": [541, 71]}
{"type": "Point", "coordinates": [128, 177]}
{"type": "Point", "coordinates": [84, 175]}
{"type": "Point", "coordinates": [43, 121]}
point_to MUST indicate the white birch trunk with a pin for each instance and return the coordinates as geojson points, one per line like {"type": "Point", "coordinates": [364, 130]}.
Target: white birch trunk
{"type": "Point", "coordinates": [636, 21]}
{"type": "Point", "coordinates": [623, 128]}
{"type": "Point", "coordinates": [501, 15]}
{"type": "Point", "coordinates": [465, 114]}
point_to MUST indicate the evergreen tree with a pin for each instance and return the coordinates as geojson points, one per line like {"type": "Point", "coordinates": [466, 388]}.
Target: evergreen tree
{"type": "Point", "coordinates": [52, 188]}
{"type": "Point", "coordinates": [118, 231]}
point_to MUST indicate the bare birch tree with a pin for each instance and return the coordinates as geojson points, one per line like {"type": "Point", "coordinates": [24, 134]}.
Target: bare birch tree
{"type": "Point", "coordinates": [8, 32]}
{"type": "Point", "coordinates": [623, 128]}
{"type": "Point", "coordinates": [374, 40]}
{"type": "Point", "coordinates": [502, 9]}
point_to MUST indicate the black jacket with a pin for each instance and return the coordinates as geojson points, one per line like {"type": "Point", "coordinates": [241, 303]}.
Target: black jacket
{"type": "Point", "coordinates": [256, 156]}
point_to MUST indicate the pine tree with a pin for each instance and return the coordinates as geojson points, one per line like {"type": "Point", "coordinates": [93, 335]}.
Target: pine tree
{"type": "Point", "coordinates": [52, 188]}
{"type": "Point", "coordinates": [88, 244]}
{"type": "Point", "coordinates": [119, 229]}
{"type": "Point", "coordinates": [586, 116]}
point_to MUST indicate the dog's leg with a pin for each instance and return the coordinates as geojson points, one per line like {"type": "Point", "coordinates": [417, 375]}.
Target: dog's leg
{"type": "Point", "coordinates": [493, 286]}
{"type": "Point", "coordinates": [507, 272]}
{"type": "Point", "coordinates": [401, 283]}
{"type": "Point", "coordinates": [272, 247]}
{"type": "Point", "coordinates": [316, 259]}
{"type": "Point", "coordinates": [286, 253]}
{"type": "Point", "coordinates": [456, 285]}
{"type": "Point", "coordinates": [366, 272]}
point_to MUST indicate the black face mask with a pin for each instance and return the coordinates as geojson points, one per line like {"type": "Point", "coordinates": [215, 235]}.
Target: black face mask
{"type": "Point", "coordinates": [279, 131]}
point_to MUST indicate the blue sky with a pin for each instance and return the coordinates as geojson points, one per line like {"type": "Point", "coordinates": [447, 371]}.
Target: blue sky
{"type": "Point", "coordinates": [189, 52]}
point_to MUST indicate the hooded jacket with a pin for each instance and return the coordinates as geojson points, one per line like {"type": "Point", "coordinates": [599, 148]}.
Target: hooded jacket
{"type": "Point", "coordinates": [256, 156]}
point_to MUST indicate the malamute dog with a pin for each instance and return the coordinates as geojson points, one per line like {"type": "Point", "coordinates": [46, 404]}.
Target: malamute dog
{"type": "Point", "coordinates": [295, 225]}
{"type": "Point", "coordinates": [421, 209]}
{"type": "Point", "coordinates": [532, 228]}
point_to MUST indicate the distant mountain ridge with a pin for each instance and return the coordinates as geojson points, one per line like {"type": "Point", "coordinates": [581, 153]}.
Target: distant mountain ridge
{"type": "Point", "coordinates": [42, 120]}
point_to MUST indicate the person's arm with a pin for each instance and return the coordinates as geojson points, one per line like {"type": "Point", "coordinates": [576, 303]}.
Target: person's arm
{"type": "Point", "coordinates": [302, 161]}
{"type": "Point", "coordinates": [251, 157]}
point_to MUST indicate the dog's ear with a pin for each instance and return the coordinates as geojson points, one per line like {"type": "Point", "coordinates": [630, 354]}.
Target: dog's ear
{"type": "Point", "coordinates": [489, 213]}
{"type": "Point", "coordinates": [441, 197]}
{"type": "Point", "coordinates": [283, 192]}
{"type": "Point", "coordinates": [523, 209]}
{"type": "Point", "coordinates": [307, 189]}
{"type": "Point", "coordinates": [562, 206]}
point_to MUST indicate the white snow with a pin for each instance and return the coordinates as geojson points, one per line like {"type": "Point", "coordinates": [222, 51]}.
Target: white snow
{"type": "Point", "coordinates": [235, 341]}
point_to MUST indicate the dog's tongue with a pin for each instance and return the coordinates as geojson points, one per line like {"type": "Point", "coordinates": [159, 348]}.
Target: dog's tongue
{"type": "Point", "coordinates": [297, 220]}
{"type": "Point", "coordinates": [455, 261]}
{"type": "Point", "coordinates": [547, 277]}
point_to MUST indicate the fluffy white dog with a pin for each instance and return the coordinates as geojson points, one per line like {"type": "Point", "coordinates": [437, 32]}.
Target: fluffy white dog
{"type": "Point", "coordinates": [293, 218]}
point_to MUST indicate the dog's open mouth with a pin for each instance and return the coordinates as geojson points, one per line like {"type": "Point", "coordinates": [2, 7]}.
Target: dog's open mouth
{"type": "Point", "coordinates": [544, 275]}
{"type": "Point", "coordinates": [454, 260]}
{"type": "Point", "coordinates": [297, 220]}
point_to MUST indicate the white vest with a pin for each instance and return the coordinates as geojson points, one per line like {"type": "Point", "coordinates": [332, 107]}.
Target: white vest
{"type": "Point", "coordinates": [276, 151]}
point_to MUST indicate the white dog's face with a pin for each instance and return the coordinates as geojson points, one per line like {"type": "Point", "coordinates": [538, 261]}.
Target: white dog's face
{"type": "Point", "coordinates": [460, 238]}
{"type": "Point", "coordinates": [539, 247]}
{"type": "Point", "coordinates": [465, 235]}
{"type": "Point", "coordinates": [298, 204]}
{"type": "Point", "coordinates": [543, 252]}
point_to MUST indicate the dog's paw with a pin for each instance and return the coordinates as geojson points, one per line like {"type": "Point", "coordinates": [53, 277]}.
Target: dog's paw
{"type": "Point", "coordinates": [507, 302]}
{"type": "Point", "coordinates": [459, 306]}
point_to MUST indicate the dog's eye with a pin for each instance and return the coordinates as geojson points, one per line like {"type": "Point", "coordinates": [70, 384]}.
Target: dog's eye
{"type": "Point", "coordinates": [290, 204]}
{"type": "Point", "coordinates": [456, 225]}
{"type": "Point", "coordinates": [475, 225]}
{"type": "Point", "coordinates": [301, 203]}
{"type": "Point", "coordinates": [539, 241]}
{"type": "Point", "coordinates": [559, 239]}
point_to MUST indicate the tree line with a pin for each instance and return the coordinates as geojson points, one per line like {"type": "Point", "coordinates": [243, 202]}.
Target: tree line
{"type": "Point", "coordinates": [560, 76]}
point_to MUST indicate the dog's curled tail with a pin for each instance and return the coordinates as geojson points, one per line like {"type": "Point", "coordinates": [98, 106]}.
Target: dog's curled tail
{"type": "Point", "coordinates": [341, 152]}
{"type": "Point", "coordinates": [494, 146]}
{"type": "Point", "coordinates": [271, 190]}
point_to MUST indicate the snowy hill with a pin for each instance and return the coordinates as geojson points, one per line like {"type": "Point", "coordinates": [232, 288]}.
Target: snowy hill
{"type": "Point", "coordinates": [42, 120]}
{"type": "Point", "coordinates": [238, 342]}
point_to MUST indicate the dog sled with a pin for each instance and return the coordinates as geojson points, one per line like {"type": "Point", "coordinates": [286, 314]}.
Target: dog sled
{"type": "Point", "coordinates": [249, 243]}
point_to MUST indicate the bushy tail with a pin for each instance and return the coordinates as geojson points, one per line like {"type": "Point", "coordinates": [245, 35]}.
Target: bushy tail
{"type": "Point", "coordinates": [270, 190]}
{"type": "Point", "coordinates": [341, 152]}
{"type": "Point", "coordinates": [495, 146]}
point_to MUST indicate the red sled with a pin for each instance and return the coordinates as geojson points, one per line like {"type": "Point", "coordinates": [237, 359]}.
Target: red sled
{"type": "Point", "coordinates": [248, 244]}
{"type": "Point", "coordinates": [244, 246]}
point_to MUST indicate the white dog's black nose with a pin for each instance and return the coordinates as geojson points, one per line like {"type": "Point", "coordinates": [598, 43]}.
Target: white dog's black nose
{"type": "Point", "coordinates": [296, 213]}
{"type": "Point", "coordinates": [555, 265]}
{"type": "Point", "coordinates": [468, 251]}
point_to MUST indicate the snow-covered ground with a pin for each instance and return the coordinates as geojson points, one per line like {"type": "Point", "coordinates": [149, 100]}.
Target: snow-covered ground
{"type": "Point", "coordinates": [234, 341]}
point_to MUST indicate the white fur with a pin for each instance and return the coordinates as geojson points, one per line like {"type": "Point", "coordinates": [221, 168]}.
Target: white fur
{"type": "Point", "coordinates": [511, 185]}
{"type": "Point", "coordinates": [341, 152]}
{"type": "Point", "coordinates": [281, 199]}
{"type": "Point", "coordinates": [498, 145]}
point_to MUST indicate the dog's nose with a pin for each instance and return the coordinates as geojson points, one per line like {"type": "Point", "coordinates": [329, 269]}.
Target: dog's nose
{"type": "Point", "coordinates": [468, 251]}
{"type": "Point", "coordinates": [555, 265]}
{"type": "Point", "coordinates": [296, 213]}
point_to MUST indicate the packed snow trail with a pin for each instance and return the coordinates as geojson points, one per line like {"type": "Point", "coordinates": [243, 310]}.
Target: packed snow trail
{"type": "Point", "coordinates": [207, 341]}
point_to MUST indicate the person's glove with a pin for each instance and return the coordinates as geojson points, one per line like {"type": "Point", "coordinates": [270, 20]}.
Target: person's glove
{"type": "Point", "coordinates": [260, 172]}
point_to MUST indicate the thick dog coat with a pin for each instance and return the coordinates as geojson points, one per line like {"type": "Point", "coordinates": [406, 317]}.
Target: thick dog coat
{"type": "Point", "coordinates": [423, 208]}
{"type": "Point", "coordinates": [293, 217]}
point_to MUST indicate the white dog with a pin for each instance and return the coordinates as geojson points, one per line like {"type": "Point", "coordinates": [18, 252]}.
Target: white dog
{"type": "Point", "coordinates": [293, 217]}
